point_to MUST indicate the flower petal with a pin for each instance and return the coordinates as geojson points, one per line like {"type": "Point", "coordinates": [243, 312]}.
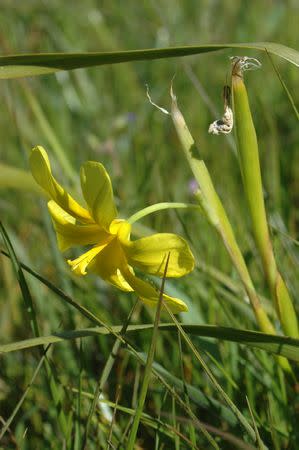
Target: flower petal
{"type": "Point", "coordinates": [41, 171]}
{"type": "Point", "coordinates": [107, 264]}
{"type": "Point", "coordinates": [149, 295]}
{"type": "Point", "coordinates": [70, 234]}
{"type": "Point", "coordinates": [79, 265]}
{"type": "Point", "coordinates": [149, 254]}
{"type": "Point", "coordinates": [97, 191]}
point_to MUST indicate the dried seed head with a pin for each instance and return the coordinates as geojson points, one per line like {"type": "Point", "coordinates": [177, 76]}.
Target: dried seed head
{"type": "Point", "coordinates": [243, 63]}
{"type": "Point", "coordinates": [225, 124]}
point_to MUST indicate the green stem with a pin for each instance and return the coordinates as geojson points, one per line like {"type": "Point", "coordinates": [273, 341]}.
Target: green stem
{"type": "Point", "coordinates": [252, 181]}
{"type": "Point", "coordinates": [159, 207]}
{"type": "Point", "coordinates": [251, 174]}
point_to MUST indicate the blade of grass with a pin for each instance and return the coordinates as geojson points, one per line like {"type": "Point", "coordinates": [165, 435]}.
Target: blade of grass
{"type": "Point", "coordinates": [280, 345]}
{"type": "Point", "coordinates": [168, 430]}
{"type": "Point", "coordinates": [148, 366]}
{"type": "Point", "coordinates": [146, 419]}
{"type": "Point", "coordinates": [105, 375]}
{"type": "Point", "coordinates": [62, 296]}
{"type": "Point", "coordinates": [157, 435]}
{"type": "Point", "coordinates": [54, 389]}
{"type": "Point", "coordinates": [109, 440]}
{"type": "Point", "coordinates": [22, 282]}
{"type": "Point", "coordinates": [22, 399]}
{"type": "Point", "coordinates": [175, 426]}
{"type": "Point", "coordinates": [274, 433]}
{"type": "Point", "coordinates": [15, 66]}
{"type": "Point", "coordinates": [213, 380]}
{"type": "Point", "coordinates": [222, 370]}
{"type": "Point", "coordinates": [259, 441]}
{"type": "Point", "coordinates": [147, 374]}
{"type": "Point", "coordinates": [136, 385]}
{"type": "Point", "coordinates": [114, 330]}
{"type": "Point", "coordinates": [77, 438]}
{"type": "Point", "coordinates": [228, 437]}
{"type": "Point", "coordinates": [185, 390]}
{"type": "Point", "coordinates": [48, 132]}
{"type": "Point", "coordinates": [289, 95]}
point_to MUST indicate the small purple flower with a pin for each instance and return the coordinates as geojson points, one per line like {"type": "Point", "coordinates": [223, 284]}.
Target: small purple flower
{"type": "Point", "coordinates": [193, 186]}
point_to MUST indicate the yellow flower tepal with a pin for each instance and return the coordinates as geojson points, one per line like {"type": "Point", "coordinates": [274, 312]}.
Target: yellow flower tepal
{"type": "Point", "coordinates": [112, 254]}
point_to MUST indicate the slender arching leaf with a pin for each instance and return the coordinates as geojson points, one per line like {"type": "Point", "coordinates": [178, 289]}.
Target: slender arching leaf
{"type": "Point", "coordinates": [280, 345]}
{"type": "Point", "coordinates": [25, 65]}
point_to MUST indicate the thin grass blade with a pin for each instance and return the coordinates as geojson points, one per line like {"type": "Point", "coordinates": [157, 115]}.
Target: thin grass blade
{"type": "Point", "coordinates": [28, 65]}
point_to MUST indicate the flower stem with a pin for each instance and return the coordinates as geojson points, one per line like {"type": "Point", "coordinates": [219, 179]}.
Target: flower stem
{"type": "Point", "coordinates": [252, 182]}
{"type": "Point", "coordinates": [159, 207]}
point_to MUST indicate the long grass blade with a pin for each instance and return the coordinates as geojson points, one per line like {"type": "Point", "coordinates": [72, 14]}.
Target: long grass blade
{"type": "Point", "coordinates": [213, 380]}
{"type": "Point", "coordinates": [26, 65]}
{"type": "Point", "coordinates": [105, 375]}
{"type": "Point", "coordinates": [148, 367]}
{"type": "Point", "coordinates": [25, 393]}
{"type": "Point", "coordinates": [280, 345]}
{"type": "Point", "coordinates": [115, 330]}
{"type": "Point", "coordinates": [289, 95]}
{"type": "Point", "coordinates": [28, 301]}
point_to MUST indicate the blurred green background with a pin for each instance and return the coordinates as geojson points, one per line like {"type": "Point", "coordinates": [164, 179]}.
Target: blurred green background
{"type": "Point", "coordinates": [103, 114]}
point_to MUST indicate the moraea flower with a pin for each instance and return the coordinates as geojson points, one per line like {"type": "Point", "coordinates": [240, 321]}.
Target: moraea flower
{"type": "Point", "coordinates": [112, 255]}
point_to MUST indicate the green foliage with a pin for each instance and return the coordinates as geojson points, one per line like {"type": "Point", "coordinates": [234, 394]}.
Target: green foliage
{"type": "Point", "coordinates": [215, 382]}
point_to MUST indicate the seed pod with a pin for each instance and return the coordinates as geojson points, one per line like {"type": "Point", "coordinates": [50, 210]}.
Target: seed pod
{"type": "Point", "coordinates": [252, 181]}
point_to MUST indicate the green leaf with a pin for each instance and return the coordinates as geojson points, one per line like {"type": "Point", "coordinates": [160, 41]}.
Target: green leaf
{"type": "Point", "coordinates": [25, 65]}
{"type": "Point", "coordinates": [280, 345]}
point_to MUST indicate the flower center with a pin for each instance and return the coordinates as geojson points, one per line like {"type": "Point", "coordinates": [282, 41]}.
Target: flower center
{"type": "Point", "coordinates": [121, 229]}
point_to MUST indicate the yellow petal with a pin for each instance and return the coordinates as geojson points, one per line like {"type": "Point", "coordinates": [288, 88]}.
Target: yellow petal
{"type": "Point", "coordinates": [149, 254]}
{"type": "Point", "coordinates": [41, 171]}
{"type": "Point", "coordinates": [107, 264]}
{"type": "Point", "coordinates": [149, 295]}
{"type": "Point", "coordinates": [70, 234]}
{"type": "Point", "coordinates": [79, 265]}
{"type": "Point", "coordinates": [97, 191]}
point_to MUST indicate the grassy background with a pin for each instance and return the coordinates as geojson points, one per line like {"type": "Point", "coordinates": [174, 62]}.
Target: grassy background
{"type": "Point", "coordinates": [103, 114]}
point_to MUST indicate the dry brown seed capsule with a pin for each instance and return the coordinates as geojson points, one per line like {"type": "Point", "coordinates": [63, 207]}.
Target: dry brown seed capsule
{"type": "Point", "coordinates": [226, 123]}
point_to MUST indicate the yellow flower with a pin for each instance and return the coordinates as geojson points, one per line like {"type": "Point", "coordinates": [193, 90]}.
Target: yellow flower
{"type": "Point", "coordinates": [112, 254]}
